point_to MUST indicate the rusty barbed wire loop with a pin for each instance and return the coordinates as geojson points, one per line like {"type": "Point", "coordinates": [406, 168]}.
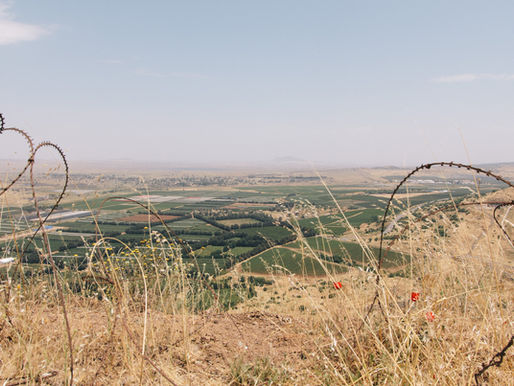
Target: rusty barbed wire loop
{"type": "Point", "coordinates": [389, 202]}
{"type": "Point", "coordinates": [496, 360]}
{"type": "Point", "coordinates": [376, 299]}
{"type": "Point", "coordinates": [416, 170]}
{"type": "Point", "coordinates": [454, 205]}
{"type": "Point", "coordinates": [30, 142]}
{"type": "Point", "coordinates": [30, 166]}
{"type": "Point", "coordinates": [501, 205]}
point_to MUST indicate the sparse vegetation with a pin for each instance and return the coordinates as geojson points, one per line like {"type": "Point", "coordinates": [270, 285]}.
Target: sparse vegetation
{"type": "Point", "coordinates": [274, 297]}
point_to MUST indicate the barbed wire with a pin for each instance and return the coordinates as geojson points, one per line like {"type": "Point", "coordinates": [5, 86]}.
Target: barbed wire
{"type": "Point", "coordinates": [416, 170]}
{"type": "Point", "coordinates": [49, 257]}
{"type": "Point", "coordinates": [501, 205]}
{"type": "Point", "coordinates": [395, 191]}
{"type": "Point", "coordinates": [496, 360]}
{"type": "Point", "coordinates": [30, 142]}
{"type": "Point", "coordinates": [454, 205]}
{"type": "Point", "coordinates": [376, 299]}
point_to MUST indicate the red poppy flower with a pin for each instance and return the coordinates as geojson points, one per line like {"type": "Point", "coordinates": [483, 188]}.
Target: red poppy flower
{"type": "Point", "coordinates": [430, 316]}
{"type": "Point", "coordinates": [338, 285]}
{"type": "Point", "coordinates": [414, 296]}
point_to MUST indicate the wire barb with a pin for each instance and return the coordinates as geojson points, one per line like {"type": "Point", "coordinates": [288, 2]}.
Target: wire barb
{"type": "Point", "coordinates": [496, 360]}
{"type": "Point", "coordinates": [417, 169]}
{"type": "Point", "coordinates": [376, 299]}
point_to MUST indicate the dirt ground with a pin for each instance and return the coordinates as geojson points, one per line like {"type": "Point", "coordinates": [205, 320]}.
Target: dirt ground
{"type": "Point", "coordinates": [190, 349]}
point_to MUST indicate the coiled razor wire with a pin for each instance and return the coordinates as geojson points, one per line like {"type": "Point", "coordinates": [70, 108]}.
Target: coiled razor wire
{"type": "Point", "coordinates": [498, 357]}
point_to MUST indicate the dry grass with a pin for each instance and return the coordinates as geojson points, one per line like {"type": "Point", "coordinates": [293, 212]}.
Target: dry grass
{"type": "Point", "coordinates": [299, 330]}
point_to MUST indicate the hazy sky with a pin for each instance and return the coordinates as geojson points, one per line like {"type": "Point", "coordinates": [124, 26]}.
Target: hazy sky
{"type": "Point", "coordinates": [338, 82]}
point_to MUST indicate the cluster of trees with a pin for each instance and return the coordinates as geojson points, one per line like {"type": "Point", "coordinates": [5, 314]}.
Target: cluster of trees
{"type": "Point", "coordinates": [228, 237]}
{"type": "Point", "coordinates": [232, 240]}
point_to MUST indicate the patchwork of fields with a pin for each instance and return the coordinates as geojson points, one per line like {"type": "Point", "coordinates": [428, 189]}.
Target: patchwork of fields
{"type": "Point", "coordinates": [256, 228]}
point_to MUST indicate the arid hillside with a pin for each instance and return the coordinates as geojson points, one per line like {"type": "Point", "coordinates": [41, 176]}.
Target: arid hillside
{"type": "Point", "coordinates": [440, 323]}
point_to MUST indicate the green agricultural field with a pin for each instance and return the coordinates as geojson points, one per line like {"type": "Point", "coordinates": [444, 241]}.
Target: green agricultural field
{"type": "Point", "coordinates": [90, 227]}
{"type": "Point", "coordinates": [336, 225]}
{"type": "Point", "coordinates": [432, 196]}
{"type": "Point", "coordinates": [349, 253]}
{"type": "Point", "coordinates": [202, 205]}
{"type": "Point", "coordinates": [7, 228]}
{"type": "Point", "coordinates": [192, 238]}
{"type": "Point", "coordinates": [363, 201]}
{"type": "Point", "coordinates": [426, 198]}
{"type": "Point", "coordinates": [207, 265]}
{"type": "Point", "coordinates": [324, 224]}
{"type": "Point", "coordinates": [273, 233]}
{"type": "Point", "coordinates": [247, 200]}
{"type": "Point", "coordinates": [238, 206]}
{"type": "Point", "coordinates": [252, 193]}
{"type": "Point", "coordinates": [358, 217]}
{"type": "Point", "coordinates": [160, 206]}
{"type": "Point", "coordinates": [60, 245]}
{"type": "Point", "coordinates": [238, 251]}
{"type": "Point", "coordinates": [94, 203]}
{"type": "Point", "coordinates": [208, 250]}
{"type": "Point", "coordinates": [193, 224]}
{"type": "Point", "coordinates": [283, 260]}
{"type": "Point", "coordinates": [239, 221]}
{"type": "Point", "coordinates": [314, 194]}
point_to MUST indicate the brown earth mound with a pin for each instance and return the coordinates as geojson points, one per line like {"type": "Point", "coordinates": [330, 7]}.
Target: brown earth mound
{"type": "Point", "coordinates": [224, 339]}
{"type": "Point", "coordinates": [191, 349]}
